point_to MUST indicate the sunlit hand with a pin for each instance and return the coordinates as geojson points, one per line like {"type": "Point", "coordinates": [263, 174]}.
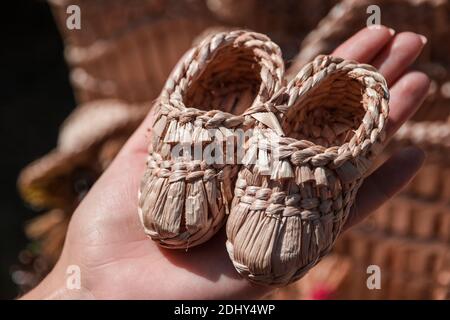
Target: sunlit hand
{"type": "Point", "coordinates": [106, 240]}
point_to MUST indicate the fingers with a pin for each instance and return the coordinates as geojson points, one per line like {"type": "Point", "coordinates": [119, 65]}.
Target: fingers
{"type": "Point", "coordinates": [392, 55]}
{"type": "Point", "coordinates": [398, 55]}
{"type": "Point", "coordinates": [407, 95]}
{"type": "Point", "coordinates": [384, 183]}
{"type": "Point", "coordinates": [365, 45]}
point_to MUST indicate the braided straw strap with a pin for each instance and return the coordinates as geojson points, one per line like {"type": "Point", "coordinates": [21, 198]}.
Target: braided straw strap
{"type": "Point", "coordinates": [220, 85]}
{"type": "Point", "coordinates": [295, 190]}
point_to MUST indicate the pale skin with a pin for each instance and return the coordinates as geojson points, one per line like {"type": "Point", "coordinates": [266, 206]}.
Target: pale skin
{"type": "Point", "coordinates": [117, 260]}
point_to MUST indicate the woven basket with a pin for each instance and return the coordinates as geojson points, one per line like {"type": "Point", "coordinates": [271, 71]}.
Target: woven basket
{"type": "Point", "coordinates": [105, 19]}
{"type": "Point", "coordinates": [183, 199]}
{"type": "Point", "coordinates": [132, 66]}
{"type": "Point", "coordinates": [410, 268]}
{"type": "Point", "coordinates": [432, 183]}
{"type": "Point", "coordinates": [286, 22]}
{"type": "Point", "coordinates": [126, 49]}
{"type": "Point", "coordinates": [414, 217]}
{"type": "Point", "coordinates": [290, 206]}
{"type": "Point", "coordinates": [50, 230]}
{"type": "Point", "coordinates": [88, 141]}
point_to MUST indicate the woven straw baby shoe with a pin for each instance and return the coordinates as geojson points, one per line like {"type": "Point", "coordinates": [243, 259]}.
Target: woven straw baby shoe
{"type": "Point", "coordinates": [291, 204]}
{"type": "Point", "coordinates": [184, 199]}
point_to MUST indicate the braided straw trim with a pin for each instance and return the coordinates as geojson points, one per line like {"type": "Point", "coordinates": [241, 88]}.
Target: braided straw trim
{"type": "Point", "coordinates": [183, 202]}
{"type": "Point", "coordinates": [285, 218]}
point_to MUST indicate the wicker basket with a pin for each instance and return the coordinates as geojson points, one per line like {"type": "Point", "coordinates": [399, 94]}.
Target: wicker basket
{"type": "Point", "coordinates": [85, 148]}
{"type": "Point", "coordinates": [105, 19]}
{"type": "Point", "coordinates": [410, 268]}
{"type": "Point", "coordinates": [126, 49]}
{"type": "Point", "coordinates": [183, 199]}
{"type": "Point", "coordinates": [432, 183]}
{"type": "Point", "coordinates": [49, 229]}
{"type": "Point", "coordinates": [134, 66]}
{"type": "Point", "coordinates": [286, 22]}
{"type": "Point", "coordinates": [291, 203]}
{"type": "Point", "coordinates": [414, 217]}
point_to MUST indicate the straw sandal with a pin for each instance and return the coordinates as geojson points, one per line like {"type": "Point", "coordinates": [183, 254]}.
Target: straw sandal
{"type": "Point", "coordinates": [291, 204]}
{"type": "Point", "coordinates": [184, 200]}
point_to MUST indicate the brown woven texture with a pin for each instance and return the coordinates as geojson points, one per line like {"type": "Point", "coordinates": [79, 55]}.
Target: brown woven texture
{"type": "Point", "coordinates": [183, 201]}
{"type": "Point", "coordinates": [286, 218]}
{"type": "Point", "coordinates": [432, 183]}
{"type": "Point", "coordinates": [411, 268]}
{"type": "Point", "coordinates": [126, 49]}
{"type": "Point", "coordinates": [81, 152]}
{"type": "Point", "coordinates": [286, 22]}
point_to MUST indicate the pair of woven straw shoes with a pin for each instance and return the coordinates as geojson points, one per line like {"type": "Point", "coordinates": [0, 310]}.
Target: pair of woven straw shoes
{"type": "Point", "coordinates": [279, 163]}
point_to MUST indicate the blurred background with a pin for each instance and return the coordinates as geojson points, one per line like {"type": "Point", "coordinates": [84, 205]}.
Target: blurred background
{"type": "Point", "coordinates": [71, 97]}
{"type": "Point", "coordinates": [36, 96]}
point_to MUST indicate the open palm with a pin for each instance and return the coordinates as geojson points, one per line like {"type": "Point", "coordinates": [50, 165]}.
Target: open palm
{"type": "Point", "coordinates": [117, 261]}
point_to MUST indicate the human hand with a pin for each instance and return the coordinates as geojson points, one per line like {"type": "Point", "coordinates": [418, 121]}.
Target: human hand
{"type": "Point", "coordinates": [116, 259]}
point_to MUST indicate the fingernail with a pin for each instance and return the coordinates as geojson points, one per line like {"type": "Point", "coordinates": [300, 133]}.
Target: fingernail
{"type": "Point", "coordinates": [391, 31]}
{"type": "Point", "coordinates": [423, 39]}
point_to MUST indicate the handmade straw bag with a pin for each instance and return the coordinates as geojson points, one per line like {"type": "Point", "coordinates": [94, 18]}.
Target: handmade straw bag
{"type": "Point", "coordinates": [184, 199]}
{"type": "Point", "coordinates": [295, 189]}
